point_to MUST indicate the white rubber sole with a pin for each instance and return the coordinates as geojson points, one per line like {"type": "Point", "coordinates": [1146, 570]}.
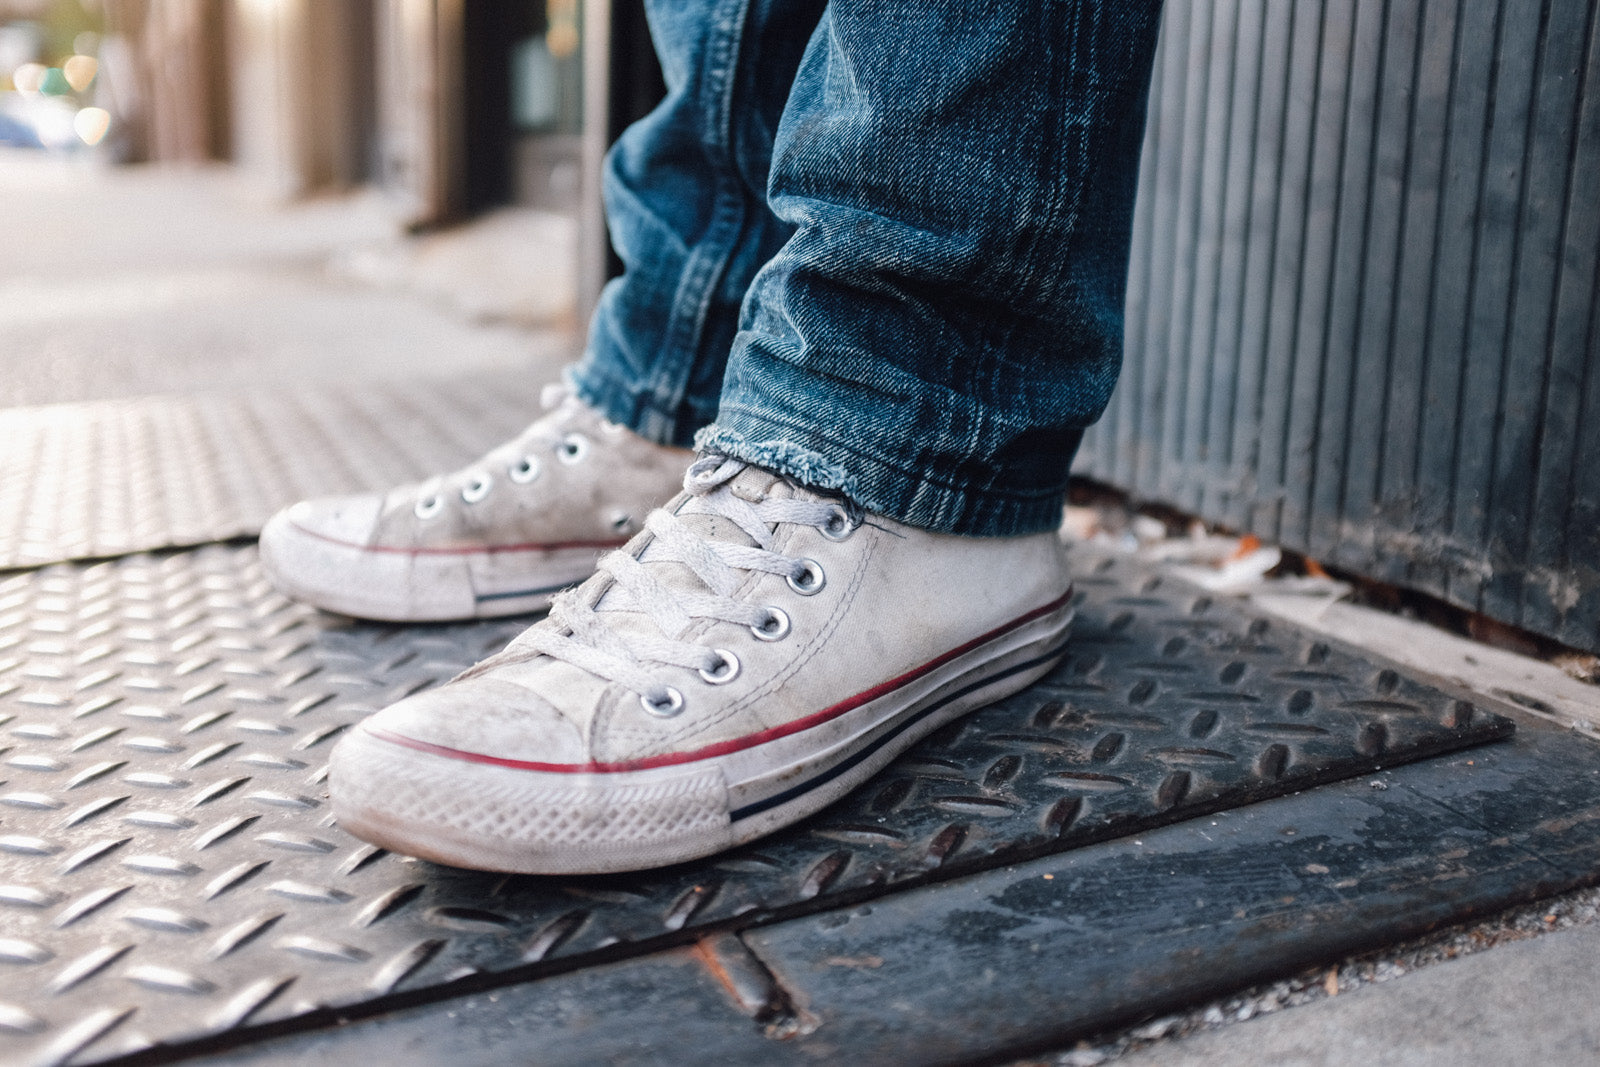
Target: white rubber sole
{"type": "Point", "coordinates": [485, 813]}
{"type": "Point", "coordinates": [399, 586]}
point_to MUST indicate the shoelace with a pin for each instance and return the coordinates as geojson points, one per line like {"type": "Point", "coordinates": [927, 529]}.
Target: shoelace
{"type": "Point", "coordinates": [518, 460]}
{"type": "Point", "coordinates": [578, 633]}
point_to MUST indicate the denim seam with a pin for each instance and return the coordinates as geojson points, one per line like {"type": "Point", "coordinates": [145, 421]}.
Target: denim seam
{"type": "Point", "coordinates": [1051, 159]}
{"type": "Point", "coordinates": [703, 271]}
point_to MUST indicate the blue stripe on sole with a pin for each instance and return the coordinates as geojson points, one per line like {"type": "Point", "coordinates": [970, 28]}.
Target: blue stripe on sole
{"type": "Point", "coordinates": [844, 765]}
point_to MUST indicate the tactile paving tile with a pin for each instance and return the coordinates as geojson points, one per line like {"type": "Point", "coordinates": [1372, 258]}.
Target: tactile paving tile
{"type": "Point", "coordinates": [112, 477]}
{"type": "Point", "coordinates": [169, 870]}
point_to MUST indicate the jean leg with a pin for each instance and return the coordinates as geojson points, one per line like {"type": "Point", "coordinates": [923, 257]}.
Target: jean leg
{"type": "Point", "coordinates": [947, 317]}
{"type": "Point", "coordinates": [685, 191]}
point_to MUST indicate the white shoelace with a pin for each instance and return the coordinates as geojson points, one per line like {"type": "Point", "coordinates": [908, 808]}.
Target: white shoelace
{"type": "Point", "coordinates": [559, 432]}
{"type": "Point", "coordinates": [578, 632]}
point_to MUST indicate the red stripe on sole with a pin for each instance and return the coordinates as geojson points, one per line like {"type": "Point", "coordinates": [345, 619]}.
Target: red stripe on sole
{"type": "Point", "coordinates": [738, 744]}
{"type": "Point", "coordinates": [553, 546]}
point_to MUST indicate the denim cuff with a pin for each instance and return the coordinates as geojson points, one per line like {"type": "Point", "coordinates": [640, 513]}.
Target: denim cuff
{"type": "Point", "coordinates": [880, 487]}
{"type": "Point", "coordinates": [627, 403]}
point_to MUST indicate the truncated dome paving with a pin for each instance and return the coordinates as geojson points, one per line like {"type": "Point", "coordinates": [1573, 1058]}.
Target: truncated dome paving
{"type": "Point", "coordinates": [169, 869]}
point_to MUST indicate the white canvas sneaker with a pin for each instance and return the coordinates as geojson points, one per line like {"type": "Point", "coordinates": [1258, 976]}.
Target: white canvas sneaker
{"type": "Point", "coordinates": [757, 652]}
{"type": "Point", "coordinates": [499, 537]}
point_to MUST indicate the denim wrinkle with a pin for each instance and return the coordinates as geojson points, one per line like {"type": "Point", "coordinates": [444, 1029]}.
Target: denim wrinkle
{"type": "Point", "coordinates": [685, 193]}
{"type": "Point", "coordinates": [933, 273]}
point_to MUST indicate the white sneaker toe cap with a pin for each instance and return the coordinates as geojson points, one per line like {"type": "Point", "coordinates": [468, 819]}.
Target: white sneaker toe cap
{"type": "Point", "coordinates": [319, 551]}
{"type": "Point", "coordinates": [346, 520]}
{"type": "Point", "coordinates": [479, 720]}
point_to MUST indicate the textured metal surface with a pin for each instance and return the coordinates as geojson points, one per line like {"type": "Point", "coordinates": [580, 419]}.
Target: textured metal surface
{"type": "Point", "coordinates": [168, 867]}
{"type": "Point", "coordinates": [1362, 315]}
{"type": "Point", "coordinates": [111, 477]}
{"type": "Point", "coordinates": [1000, 965]}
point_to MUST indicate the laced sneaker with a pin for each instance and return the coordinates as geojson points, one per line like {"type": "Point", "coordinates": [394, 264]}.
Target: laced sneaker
{"type": "Point", "coordinates": [755, 653]}
{"type": "Point", "coordinates": [498, 537]}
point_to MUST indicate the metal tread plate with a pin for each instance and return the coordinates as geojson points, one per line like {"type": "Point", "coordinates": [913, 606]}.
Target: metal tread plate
{"type": "Point", "coordinates": [169, 871]}
{"type": "Point", "coordinates": [106, 478]}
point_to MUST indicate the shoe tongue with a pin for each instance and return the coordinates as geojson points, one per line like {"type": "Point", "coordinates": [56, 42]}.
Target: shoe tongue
{"type": "Point", "coordinates": [751, 484]}
{"type": "Point", "coordinates": [754, 484]}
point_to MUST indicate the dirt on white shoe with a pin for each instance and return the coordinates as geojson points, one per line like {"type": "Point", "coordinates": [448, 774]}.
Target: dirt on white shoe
{"type": "Point", "coordinates": [758, 651]}
{"type": "Point", "coordinates": [498, 537]}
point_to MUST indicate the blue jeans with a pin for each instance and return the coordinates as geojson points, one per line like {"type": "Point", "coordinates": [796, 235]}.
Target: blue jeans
{"type": "Point", "coordinates": [879, 246]}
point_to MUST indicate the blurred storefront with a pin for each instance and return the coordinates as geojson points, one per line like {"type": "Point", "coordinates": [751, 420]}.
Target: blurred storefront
{"type": "Point", "coordinates": [451, 106]}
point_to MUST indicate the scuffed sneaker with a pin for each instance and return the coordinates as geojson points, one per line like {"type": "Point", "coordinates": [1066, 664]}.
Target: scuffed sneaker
{"type": "Point", "coordinates": [498, 537]}
{"type": "Point", "coordinates": [758, 651]}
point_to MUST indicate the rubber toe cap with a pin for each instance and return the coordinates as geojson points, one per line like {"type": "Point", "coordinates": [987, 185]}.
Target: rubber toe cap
{"type": "Point", "coordinates": [348, 520]}
{"type": "Point", "coordinates": [482, 720]}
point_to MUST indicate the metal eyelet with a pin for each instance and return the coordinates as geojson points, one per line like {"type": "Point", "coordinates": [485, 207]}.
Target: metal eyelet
{"type": "Point", "coordinates": [428, 506]}
{"type": "Point", "coordinates": [524, 470]}
{"type": "Point", "coordinates": [667, 708]}
{"type": "Point", "coordinates": [573, 448]}
{"type": "Point", "coordinates": [811, 579]}
{"type": "Point", "coordinates": [838, 527]}
{"type": "Point", "coordinates": [727, 668]}
{"type": "Point", "coordinates": [775, 628]}
{"type": "Point", "coordinates": [477, 489]}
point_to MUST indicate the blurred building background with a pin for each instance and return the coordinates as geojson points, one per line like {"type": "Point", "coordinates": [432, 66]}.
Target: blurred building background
{"type": "Point", "coordinates": [449, 108]}
{"type": "Point", "coordinates": [450, 105]}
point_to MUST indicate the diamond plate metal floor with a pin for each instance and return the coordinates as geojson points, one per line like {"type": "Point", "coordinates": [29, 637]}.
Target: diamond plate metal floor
{"type": "Point", "coordinates": [169, 870]}
{"type": "Point", "coordinates": [112, 477]}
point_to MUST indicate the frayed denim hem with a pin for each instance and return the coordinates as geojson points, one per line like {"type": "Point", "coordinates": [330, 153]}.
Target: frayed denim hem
{"type": "Point", "coordinates": [802, 465]}
{"type": "Point", "coordinates": [884, 490]}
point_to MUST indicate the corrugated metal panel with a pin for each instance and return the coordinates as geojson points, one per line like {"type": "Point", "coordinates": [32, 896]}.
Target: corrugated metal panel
{"type": "Point", "coordinates": [1363, 296]}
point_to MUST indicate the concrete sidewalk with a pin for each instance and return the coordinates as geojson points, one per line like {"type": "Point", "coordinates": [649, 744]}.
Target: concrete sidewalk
{"type": "Point", "coordinates": [1529, 1002]}
{"type": "Point", "coordinates": [124, 282]}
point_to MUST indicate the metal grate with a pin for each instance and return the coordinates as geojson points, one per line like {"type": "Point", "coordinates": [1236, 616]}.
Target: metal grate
{"type": "Point", "coordinates": [112, 477]}
{"type": "Point", "coordinates": [169, 870]}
